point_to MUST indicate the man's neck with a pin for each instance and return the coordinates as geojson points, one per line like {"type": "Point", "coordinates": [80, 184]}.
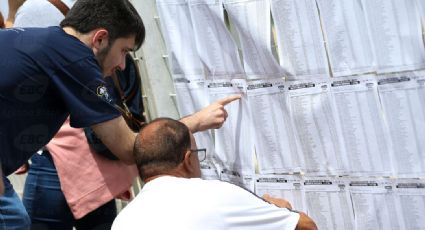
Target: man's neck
{"type": "Point", "coordinates": [172, 173]}
{"type": "Point", "coordinates": [84, 38]}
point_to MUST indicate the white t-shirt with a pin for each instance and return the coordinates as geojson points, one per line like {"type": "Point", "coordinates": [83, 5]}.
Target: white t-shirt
{"type": "Point", "coordinates": [194, 204]}
{"type": "Point", "coordinates": [39, 13]}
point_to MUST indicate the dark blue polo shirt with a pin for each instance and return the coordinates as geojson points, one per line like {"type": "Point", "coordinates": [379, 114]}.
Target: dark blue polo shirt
{"type": "Point", "coordinates": [45, 76]}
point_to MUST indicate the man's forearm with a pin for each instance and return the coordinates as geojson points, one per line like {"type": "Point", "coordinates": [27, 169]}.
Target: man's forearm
{"type": "Point", "coordinates": [118, 137]}
{"type": "Point", "coordinates": [192, 122]}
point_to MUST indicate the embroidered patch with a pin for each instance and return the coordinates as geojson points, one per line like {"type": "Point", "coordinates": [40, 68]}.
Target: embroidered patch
{"type": "Point", "coordinates": [102, 92]}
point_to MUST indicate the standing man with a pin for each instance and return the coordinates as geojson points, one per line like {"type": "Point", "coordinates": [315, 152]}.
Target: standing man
{"type": "Point", "coordinates": [48, 74]}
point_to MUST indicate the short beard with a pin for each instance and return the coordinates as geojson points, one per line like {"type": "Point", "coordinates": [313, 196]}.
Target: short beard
{"type": "Point", "coordinates": [101, 55]}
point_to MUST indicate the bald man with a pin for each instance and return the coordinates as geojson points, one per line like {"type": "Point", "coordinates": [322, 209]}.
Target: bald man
{"type": "Point", "coordinates": [174, 196]}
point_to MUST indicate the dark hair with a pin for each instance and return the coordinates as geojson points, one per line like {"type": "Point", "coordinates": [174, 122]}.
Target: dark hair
{"type": "Point", "coordinates": [118, 17]}
{"type": "Point", "coordinates": [160, 146]}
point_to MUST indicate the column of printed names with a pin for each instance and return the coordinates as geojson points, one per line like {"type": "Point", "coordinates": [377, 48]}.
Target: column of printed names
{"type": "Point", "coordinates": [403, 102]}
{"type": "Point", "coordinates": [275, 143]}
{"type": "Point", "coordinates": [396, 34]}
{"type": "Point", "coordinates": [177, 31]}
{"type": "Point", "coordinates": [375, 205]}
{"type": "Point", "coordinates": [365, 135]}
{"type": "Point", "coordinates": [216, 47]}
{"type": "Point", "coordinates": [316, 126]}
{"type": "Point", "coordinates": [347, 37]}
{"type": "Point", "coordinates": [300, 42]}
{"type": "Point", "coordinates": [252, 21]}
{"type": "Point", "coordinates": [328, 203]}
{"type": "Point", "coordinates": [411, 197]}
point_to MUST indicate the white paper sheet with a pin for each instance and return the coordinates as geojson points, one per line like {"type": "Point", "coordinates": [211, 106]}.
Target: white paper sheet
{"type": "Point", "coordinates": [238, 178]}
{"type": "Point", "coordinates": [209, 171]}
{"type": "Point", "coordinates": [403, 101]}
{"type": "Point", "coordinates": [288, 187]}
{"type": "Point", "coordinates": [365, 134]}
{"type": "Point", "coordinates": [300, 41]}
{"type": "Point", "coordinates": [375, 205]}
{"type": "Point", "coordinates": [252, 21]}
{"type": "Point", "coordinates": [411, 195]}
{"type": "Point", "coordinates": [177, 31]}
{"type": "Point", "coordinates": [328, 203]}
{"type": "Point", "coordinates": [216, 48]}
{"type": "Point", "coordinates": [396, 34]}
{"type": "Point", "coordinates": [275, 143]}
{"type": "Point", "coordinates": [233, 141]}
{"type": "Point", "coordinates": [316, 127]}
{"type": "Point", "coordinates": [347, 37]}
{"type": "Point", "coordinates": [192, 96]}
{"type": "Point", "coordinates": [420, 5]}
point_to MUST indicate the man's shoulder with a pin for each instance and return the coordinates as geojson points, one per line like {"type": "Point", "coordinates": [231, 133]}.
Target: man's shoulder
{"type": "Point", "coordinates": [51, 43]}
{"type": "Point", "coordinates": [216, 188]}
{"type": "Point", "coordinates": [50, 36]}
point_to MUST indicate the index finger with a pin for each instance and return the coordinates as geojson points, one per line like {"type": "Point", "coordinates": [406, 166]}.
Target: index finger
{"type": "Point", "coordinates": [227, 100]}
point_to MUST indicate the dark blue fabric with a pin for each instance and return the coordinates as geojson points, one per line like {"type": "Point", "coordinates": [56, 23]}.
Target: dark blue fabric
{"type": "Point", "coordinates": [45, 75]}
{"type": "Point", "coordinates": [47, 206]}
{"type": "Point", "coordinates": [129, 80]}
{"type": "Point", "coordinates": [13, 215]}
{"type": "Point", "coordinates": [131, 84]}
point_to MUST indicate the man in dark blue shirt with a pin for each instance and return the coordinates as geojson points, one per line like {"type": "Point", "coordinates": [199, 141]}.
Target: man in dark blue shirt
{"type": "Point", "coordinates": [49, 74]}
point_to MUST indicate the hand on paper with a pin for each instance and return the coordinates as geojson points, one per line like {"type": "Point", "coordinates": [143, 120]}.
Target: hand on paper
{"type": "Point", "coordinates": [281, 203]}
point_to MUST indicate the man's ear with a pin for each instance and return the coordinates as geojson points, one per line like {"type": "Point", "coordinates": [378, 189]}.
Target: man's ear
{"type": "Point", "coordinates": [100, 40]}
{"type": "Point", "coordinates": [187, 162]}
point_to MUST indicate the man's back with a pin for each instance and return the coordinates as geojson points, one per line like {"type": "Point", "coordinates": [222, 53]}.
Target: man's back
{"type": "Point", "coordinates": [179, 203]}
{"type": "Point", "coordinates": [45, 75]}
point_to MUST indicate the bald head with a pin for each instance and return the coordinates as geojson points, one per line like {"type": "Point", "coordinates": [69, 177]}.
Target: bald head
{"type": "Point", "coordinates": [161, 147]}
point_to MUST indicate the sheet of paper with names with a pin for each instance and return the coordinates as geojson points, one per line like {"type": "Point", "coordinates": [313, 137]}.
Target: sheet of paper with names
{"type": "Point", "coordinates": [177, 30]}
{"type": "Point", "coordinates": [351, 203]}
{"type": "Point", "coordinates": [288, 187]}
{"type": "Point", "coordinates": [215, 46]}
{"type": "Point", "coordinates": [233, 141]}
{"type": "Point", "coordinates": [328, 202]}
{"type": "Point", "coordinates": [396, 34]}
{"type": "Point", "coordinates": [300, 41]}
{"type": "Point", "coordinates": [365, 135]}
{"type": "Point", "coordinates": [347, 37]}
{"type": "Point", "coordinates": [238, 178]}
{"type": "Point", "coordinates": [316, 127]}
{"type": "Point", "coordinates": [411, 197]}
{"type": "Point", "coordinates": [192, 96]}
{"type": "Point", "coordinates": [276, 146]}
{"type": "Point", "coordinates": [403, 101]}
{"type": "Point", "coordinates": [375, 205]}
{"type": "Point", "coordinates": [252, 21]}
